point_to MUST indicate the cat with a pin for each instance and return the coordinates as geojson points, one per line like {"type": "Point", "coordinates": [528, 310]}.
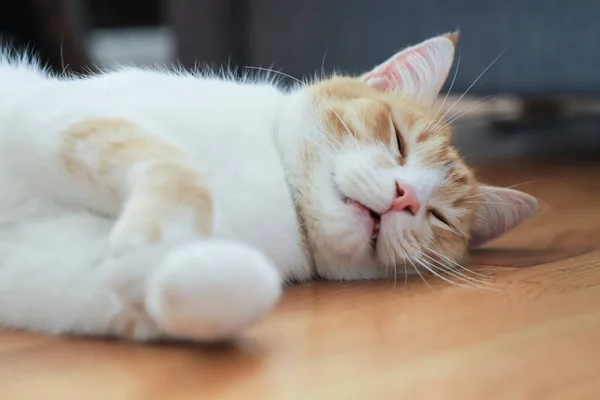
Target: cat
{"type": "Point", "coordinates": [150, 204]}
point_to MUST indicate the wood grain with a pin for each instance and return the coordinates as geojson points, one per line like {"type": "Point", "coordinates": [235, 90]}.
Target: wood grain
{"type": "Point", "coordinates": [536, 335]}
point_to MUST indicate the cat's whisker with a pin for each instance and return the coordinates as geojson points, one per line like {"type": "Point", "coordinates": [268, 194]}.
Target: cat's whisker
{"type": "Point", "coordinates": [419, 272]}
{"type": "Point", "coordinates": [395, 266]}
{"type": "Point", "coordinates": [454, 279]}
{"type": "Point", "coordinates": [62, 57]}
{"type": "Point", "coordinates": [424, 264]}
{"type": "Point", "coordinates": [409, 257]}
{"type": "Point", "coordinates": [418, 254]}
{"type": "Point", "coordinates": [406, 258]}
{"type": "Point", "coordinates": [323, 62]}
{"type": "Point", "coordinates": [455, 117]}
{"type": "Point", "coordinates": [453, 272]}
{"type": "Point", "coordinates": [457, 231]}
{"type": "Point", "coordinates": [331, 136]}
{"type": "Point", "coordinates": [443, 268]}
{"type": "Point", "coordinates": [346, 127]}
{"type": "Point", "coordinates": [433, 120]}
{"type": "Point", "coordinates": [500, 189]}
{"type": "Point", "coordinates": [321, 147]}
{"type": "Point", "coordinates": [336, 145]}
{"type": "Point", "coordinates": [325, 137]}
{"type": "Point", "coordinates": [436, 253]}
{"type": "Point", "coordinates": [481, 102]}
{"type": "Point", "coordinates": [415, 257]}
{"type": "Point", "coordinates": [477, 283]}
{"type": "Point", "coordinates": [437, 126]}
{"type": "Point", "coordinates": [475, 81]}
{"type": "Point", "coordinates": [498, 203]}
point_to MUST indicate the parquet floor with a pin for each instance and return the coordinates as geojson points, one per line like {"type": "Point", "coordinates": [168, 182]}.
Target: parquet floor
{"type": "Point", "coordinates": [537, 336]}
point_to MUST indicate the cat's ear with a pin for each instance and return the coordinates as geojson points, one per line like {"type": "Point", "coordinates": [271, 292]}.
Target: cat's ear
{"type": "Point", "coordinates": [501, 210]}
{"type": "Point", "coordinates": [418, 71]}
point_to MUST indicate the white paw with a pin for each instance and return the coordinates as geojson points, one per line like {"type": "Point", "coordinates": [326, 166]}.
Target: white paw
{"type": "Point", "coordinates": [130, 270]}
{"type": "Point", "coordinates": [210, 290]}
{"type": "Point", "coordinates": [133, 257]}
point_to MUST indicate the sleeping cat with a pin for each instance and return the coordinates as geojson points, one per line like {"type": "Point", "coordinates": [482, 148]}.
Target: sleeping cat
{"type": "Point", "coordinates": [156, 204]}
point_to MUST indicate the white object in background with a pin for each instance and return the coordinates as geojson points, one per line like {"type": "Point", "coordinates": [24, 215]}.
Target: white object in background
{"type": "Point", "coordinates": [140, 46]}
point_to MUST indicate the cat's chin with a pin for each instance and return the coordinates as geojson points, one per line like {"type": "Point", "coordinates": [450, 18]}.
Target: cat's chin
{"type": "Point", "coordinates": [390, 246]}
{"type": "Point", "coordinates": [364, 228]}
{"type": "Point", "coordinates": [346, 241]}
{"type": "Point", "coordinates": [355, 262]}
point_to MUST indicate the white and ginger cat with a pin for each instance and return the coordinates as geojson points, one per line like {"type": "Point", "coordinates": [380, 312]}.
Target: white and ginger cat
{"type": "Point", "coordinates": [151, 204]}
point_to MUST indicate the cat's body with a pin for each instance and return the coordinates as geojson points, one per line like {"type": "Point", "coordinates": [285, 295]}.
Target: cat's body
{"type": "Point", "coordinates": [147, 204]}
{"type": "Point", "coordinates": [55, 231]}
{"type": "Point", "coordinates": [189, 112]}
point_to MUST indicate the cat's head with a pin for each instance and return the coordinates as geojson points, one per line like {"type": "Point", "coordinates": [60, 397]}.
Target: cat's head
{"type": "Point", "coordinates": [384, 189]}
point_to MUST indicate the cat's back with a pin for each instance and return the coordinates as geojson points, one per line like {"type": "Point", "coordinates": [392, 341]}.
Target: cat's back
{"type": "Point", "coordinates": [221, 121]}
{"type": "Point", "coordinates": [159, 96]}
{"type": "Point", "coordinates": [226, 127]}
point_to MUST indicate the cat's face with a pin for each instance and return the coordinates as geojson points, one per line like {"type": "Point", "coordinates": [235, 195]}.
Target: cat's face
{"type": "Point", "coordinates": [386, 191]}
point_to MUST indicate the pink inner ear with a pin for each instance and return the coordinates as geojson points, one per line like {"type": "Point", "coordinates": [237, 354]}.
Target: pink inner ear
{"type": "Point", "coordinates": [419, 71]}
{"type": "Point", "coordinates": [502, 210]}
{"type": "Point", "coordinates": [392, 70]}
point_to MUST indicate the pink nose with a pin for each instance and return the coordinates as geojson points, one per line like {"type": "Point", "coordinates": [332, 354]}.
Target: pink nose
{"type": "Point", "coordinates": [406, 199]}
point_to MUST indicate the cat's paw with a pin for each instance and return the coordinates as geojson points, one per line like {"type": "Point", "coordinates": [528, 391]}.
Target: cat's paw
{"type": "Point", "coordinates": [136, 248]}
{"type": "Point", "coordinates": [130, 268]}
{"type": "Point", "coordinates": [209, 291]}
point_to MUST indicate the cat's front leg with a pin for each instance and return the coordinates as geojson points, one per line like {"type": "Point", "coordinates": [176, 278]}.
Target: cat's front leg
{"type": "Point", "coordinates": [167, 264]}
{"type": "Point", "coordinates": [163, 261]}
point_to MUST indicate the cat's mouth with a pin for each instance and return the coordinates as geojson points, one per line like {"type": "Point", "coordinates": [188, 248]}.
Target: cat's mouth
{"type": "Point", "coordinates": [376, 217]}
{"type": "Point", "coordinates": [375, 233]}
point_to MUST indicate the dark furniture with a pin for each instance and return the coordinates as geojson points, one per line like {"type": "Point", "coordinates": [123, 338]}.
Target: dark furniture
{"type": "Point", "coordinates": [554, 45]}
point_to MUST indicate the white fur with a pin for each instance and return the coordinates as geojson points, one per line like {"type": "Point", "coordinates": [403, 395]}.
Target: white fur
{"type": "Point", "coordinates": [69, 263]}
{"type": "Point", "coordinates": [57, 265]}
{"type": "Point", "coordinates": [66, 267]}
{"type": "Point", "coordinates": [243, 284]}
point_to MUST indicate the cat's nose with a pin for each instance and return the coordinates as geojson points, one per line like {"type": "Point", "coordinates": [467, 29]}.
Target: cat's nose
{"type": "Point", "coordinates": [406, 199]}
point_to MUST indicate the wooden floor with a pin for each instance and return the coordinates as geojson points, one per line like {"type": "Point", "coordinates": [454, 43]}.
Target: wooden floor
{"type": "Point", "coordinates": [536, 336]}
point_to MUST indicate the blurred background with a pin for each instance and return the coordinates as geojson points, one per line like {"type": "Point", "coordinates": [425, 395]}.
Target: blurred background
{"type": "Point", "coordinates": [537, 97]}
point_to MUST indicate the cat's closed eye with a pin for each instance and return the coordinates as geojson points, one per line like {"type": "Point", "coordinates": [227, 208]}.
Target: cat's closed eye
{"type": "Point", "coordinates": [399, 141]}
{"type": "Point", "coordinates": [439, 216]}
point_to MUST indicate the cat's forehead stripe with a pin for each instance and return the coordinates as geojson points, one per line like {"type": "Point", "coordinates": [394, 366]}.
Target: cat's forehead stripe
{"type": "Point", "coordinates": [429, 131]}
